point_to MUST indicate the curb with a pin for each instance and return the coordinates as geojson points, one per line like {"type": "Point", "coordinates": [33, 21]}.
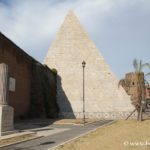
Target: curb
{"type": "Point", "coordinates": [109, 123]}
{"type": "Point", "coordinates": [76, 124]}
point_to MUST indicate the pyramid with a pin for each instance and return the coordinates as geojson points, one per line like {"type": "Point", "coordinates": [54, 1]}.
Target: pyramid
{"type": "Point", "coordinates": [103, 98]}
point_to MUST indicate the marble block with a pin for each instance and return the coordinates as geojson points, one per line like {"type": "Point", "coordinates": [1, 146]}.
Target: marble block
{"type": "Point", "coordinates": [6, 120]}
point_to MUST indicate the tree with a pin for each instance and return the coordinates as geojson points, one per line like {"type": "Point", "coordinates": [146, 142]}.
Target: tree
{"type": "Point", "coordinates": [139, 66]}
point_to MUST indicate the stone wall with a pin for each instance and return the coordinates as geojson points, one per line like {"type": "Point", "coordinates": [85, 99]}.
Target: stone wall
{"type": "Point", "coordinates": [147, 92]}
{"type": "Point", "coordinates": [133, 81]}
{"type": "Point", "coordinates": [21, 67]}
{"type": "Point", "coordinates": [43, 93]}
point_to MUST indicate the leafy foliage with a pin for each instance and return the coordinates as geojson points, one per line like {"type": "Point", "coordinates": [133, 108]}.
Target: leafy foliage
{"type": "Point", "coordinates": [138, 65]}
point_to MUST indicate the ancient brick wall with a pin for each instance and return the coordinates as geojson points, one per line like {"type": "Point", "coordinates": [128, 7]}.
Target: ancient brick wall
{"type": "Point", "coordinates": [134, 80]}
{"type": "Point", "coordinates": [21, 67]}
{"type": "Point", "coordinates": [43, 93]}
{"type": "Point", "coordinates": [147, 92]}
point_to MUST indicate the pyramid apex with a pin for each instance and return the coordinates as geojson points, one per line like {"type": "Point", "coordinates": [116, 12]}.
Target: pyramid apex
{"type": "Point", "coordinates": [70, 13]}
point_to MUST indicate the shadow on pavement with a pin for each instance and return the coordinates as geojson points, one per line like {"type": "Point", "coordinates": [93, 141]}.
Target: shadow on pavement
{"type": "Point", "coordinates": [46, 143]}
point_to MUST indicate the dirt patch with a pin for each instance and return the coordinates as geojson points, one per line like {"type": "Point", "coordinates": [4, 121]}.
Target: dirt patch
{"type": "Point", "coordinates": [122, 135]}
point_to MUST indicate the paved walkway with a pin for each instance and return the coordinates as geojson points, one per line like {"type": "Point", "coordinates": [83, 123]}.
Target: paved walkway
{"type": "Point", "coordinates": [56, 135]}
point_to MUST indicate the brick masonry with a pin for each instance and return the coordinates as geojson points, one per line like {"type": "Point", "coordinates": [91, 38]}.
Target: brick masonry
{"type": "Point", "coordinates": [20, 69]}
{"type": "Point", "coordinates": [71, 46]}
{"type": "Point", "coordinates": [29, 95]}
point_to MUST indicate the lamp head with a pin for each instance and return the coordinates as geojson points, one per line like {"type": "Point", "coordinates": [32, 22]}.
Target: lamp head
{"type": "Point", "coordinates": [83, 64]}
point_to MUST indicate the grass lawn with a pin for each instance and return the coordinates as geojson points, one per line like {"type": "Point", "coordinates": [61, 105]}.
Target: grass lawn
{"type": "Point", "coordinates": [122, 135]}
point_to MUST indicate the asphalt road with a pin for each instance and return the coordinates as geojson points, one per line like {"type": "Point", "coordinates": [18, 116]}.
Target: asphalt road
{"type": "Point", "coordinates": [51, 141]}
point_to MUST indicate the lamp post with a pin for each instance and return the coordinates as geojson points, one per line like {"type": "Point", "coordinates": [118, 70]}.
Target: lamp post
{"type": "Point", "coordinates": [83, 66]}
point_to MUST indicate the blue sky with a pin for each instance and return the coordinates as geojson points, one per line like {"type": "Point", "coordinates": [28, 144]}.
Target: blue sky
{"type": "Point", "coordinates": [119, 28]}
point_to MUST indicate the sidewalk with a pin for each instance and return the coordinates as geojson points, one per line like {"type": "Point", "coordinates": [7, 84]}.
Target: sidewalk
{"type": "Point", "coordinates": [52, 135]}
{"type": "Point", "coordinates": [17, 138]}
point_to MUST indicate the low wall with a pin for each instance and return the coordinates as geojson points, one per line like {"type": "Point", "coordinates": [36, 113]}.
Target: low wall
{"type": "Point", "coordinates": [35, 88]}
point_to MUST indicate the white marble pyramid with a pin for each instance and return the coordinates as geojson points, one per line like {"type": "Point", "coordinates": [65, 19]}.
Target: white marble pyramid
{"type": "Point", "coordinates": [103, 98]}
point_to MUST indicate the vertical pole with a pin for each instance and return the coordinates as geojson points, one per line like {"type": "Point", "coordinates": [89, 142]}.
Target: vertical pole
{"type": "Point", "coordinates": [83, 100]}
{"type": "Point", "coordinates": [142, 99]}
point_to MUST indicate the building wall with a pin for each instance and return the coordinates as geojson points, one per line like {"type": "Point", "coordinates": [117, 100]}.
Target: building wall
{"type": "Point", "coordinates": [43, 93]}
{"type": "Point", "coordinates": [20, 69]}
{"type": "Point", "coordinates": [147, 92]}
{"type": "Point", "coordinates": [132, 87]}
{"type": "Point", "coordinates": [35, 93]}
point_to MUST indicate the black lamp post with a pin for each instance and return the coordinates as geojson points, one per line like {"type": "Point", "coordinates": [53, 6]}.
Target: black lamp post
{"type": "Point", "coordinates": [83, 66]}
